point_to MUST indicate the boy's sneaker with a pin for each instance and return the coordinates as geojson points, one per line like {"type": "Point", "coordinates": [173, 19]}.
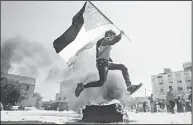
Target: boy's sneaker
{"type": "Point", "coordinates": [79, 89]}
{"type": "Point", "coordinates": [133, 88]}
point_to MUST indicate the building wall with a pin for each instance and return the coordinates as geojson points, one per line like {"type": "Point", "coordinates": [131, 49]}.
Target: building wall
{"type": "Point", "coordinates": [187, 66]}
{"type": "Point", "coordinates": [29, 102]}
{"type": "Point", "coordinates": [180, 81]}
{"type": "Point", "coordinates": [57, 96]}
{"type": "Point", "coordinates": [62, 93]}
{"type": "Point", "coordinates": [28, 84]}
{"type": "Point", "coordinates": [29, 88]}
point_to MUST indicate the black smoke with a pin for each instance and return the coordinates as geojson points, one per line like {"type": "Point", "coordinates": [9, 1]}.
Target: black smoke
{"type": "Point", "coordinates": [28, 58]}
{"type": "Point", "coordinates": [35, 60]}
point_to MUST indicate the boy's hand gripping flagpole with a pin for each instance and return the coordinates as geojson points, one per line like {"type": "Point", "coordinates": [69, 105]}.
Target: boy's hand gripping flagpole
{"type": "Point", "coordinates": [108, 19]}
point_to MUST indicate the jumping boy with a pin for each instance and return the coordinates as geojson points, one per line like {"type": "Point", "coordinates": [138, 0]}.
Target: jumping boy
{"type": "Point", "coordinates": [105, 63]}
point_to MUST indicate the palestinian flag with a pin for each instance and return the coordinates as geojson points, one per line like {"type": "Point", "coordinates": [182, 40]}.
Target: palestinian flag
{"type": "Point", "coordinates": [88, 26]}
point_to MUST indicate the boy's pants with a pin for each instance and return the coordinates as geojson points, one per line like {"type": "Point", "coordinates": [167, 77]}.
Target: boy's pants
{"type": "Point", "coordinates": [103, 66]}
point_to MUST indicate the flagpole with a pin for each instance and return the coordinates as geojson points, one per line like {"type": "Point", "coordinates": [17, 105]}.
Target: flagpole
{"type": "Point", "coordinates": [108, 19]}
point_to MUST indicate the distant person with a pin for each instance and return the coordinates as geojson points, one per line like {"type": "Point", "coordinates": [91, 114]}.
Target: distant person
{"type": "Point", "coordinates": [188, 106]}
{"type": "Point", "coordinates": [179, 104]}
{"type": "Point", "coordinates": [137, 108]}
{"type": "Point", "coordinates": [156, 106]}
{"type": "Point", "coordinates": [183, 103]}
{"type": "Point", "coordinates": [171, 98]}
{"type": "Point", "coordinates": [151, 103]}
{"type": "Point", "coordinates": [168, 105]}
{"type": "Point", "coordinates": [144, 106]}
{"type": "Point", "coordinates": [160, 104]}
{"type": "Point", "coordinates": [131, 108]}
{"type": "Point", "coordinates": [190, 97]}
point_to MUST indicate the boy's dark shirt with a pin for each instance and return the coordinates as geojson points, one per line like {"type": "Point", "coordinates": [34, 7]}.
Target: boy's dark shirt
{"type": "Point", "coordinates": [112, 42]}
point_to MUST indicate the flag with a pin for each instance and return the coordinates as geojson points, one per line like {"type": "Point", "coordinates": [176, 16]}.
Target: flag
{"type": "Point", "coordinates": [88, 26]}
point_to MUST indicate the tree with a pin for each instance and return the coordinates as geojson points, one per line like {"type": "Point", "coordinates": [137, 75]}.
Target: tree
{"type": "Point", "coordinates": [38, 99]}
{"type": "Point", "coordinates": [11, 92]}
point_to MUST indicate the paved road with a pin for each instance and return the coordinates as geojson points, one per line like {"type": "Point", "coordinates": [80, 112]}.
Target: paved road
{"type": "Point", "coordinates": [40, 117]}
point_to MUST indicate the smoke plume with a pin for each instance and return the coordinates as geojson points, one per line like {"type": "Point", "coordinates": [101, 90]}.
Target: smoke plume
{"type": "Point", "coordinates": [28, 58]}
{"type": "Point", "coordinates": [34, 60]}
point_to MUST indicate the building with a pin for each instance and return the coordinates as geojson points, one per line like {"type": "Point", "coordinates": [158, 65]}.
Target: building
{"type": "Point", "coordinates": [27, 83]}
{"type": "Point", "coordinates": [57, 96]}
{"type": "Point", "coordinates": [187, 66]}
{"type": "Point", "coordinates": [179, 80]}
{"type": "Point", "coordinates": [60, 97]}
{"type": "Point", "coordinates": [63, 85]}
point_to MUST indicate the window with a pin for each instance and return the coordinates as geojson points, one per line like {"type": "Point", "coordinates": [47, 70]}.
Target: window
{"type": "Point", "coordinates": [178, 77]}
{"type": "Point", "coordinates": [178, 74]}
{"type": "Point", "coordinates": [159, 76]}
{"type": "Point", "coordinates": [59, 98]}
{"type": "Point", "coordinates": [188, 80]}
{"type": "Point", "coordinates": [27, 88]}
{"type": "Point", "coordinates": [160, 83]}
{"type": "Point", "coordinates": [186, 74]}
{"type": "Point", "coordinates": [171, 82]}
{"type": "Point", "coordinates": [169, 75]}
{"type": "Point", "coordinates": [161, 91]}
{"type": "Point", "coordinates": [179, 81]}
{"type": "Point", "coordinates": [180, 88]}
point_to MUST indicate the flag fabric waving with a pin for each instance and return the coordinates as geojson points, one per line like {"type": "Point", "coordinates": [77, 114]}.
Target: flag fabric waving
{"type": "Point", "coordinates": [87, 25]}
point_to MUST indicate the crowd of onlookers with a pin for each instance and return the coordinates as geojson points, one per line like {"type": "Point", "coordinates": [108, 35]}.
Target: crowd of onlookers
{"type": "Point", "coordinates": [173, 103]}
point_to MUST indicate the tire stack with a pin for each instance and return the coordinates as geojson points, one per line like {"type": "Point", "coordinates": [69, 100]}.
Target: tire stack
{"type": "Point", "coordinates": [103, 113]}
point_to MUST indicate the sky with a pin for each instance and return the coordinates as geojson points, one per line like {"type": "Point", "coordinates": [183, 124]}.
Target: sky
{"type": "Point", "coordinates": [160, 32]}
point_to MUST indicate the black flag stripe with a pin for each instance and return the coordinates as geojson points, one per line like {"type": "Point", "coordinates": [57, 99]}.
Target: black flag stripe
{"type": "Point", "coordinates": [70, 34]}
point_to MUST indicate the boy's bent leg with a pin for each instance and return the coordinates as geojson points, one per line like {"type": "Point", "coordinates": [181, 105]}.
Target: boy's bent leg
{"type": "Point", "coordinates": [131, 88]}
{"type": "Point", "coordinates": [123, 68]}
{"type": "Point", "coordinates": [102, 70]}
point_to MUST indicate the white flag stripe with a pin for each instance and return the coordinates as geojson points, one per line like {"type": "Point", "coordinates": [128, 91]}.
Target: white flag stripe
{"type": "Point", "coordinates": [93, 18]}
